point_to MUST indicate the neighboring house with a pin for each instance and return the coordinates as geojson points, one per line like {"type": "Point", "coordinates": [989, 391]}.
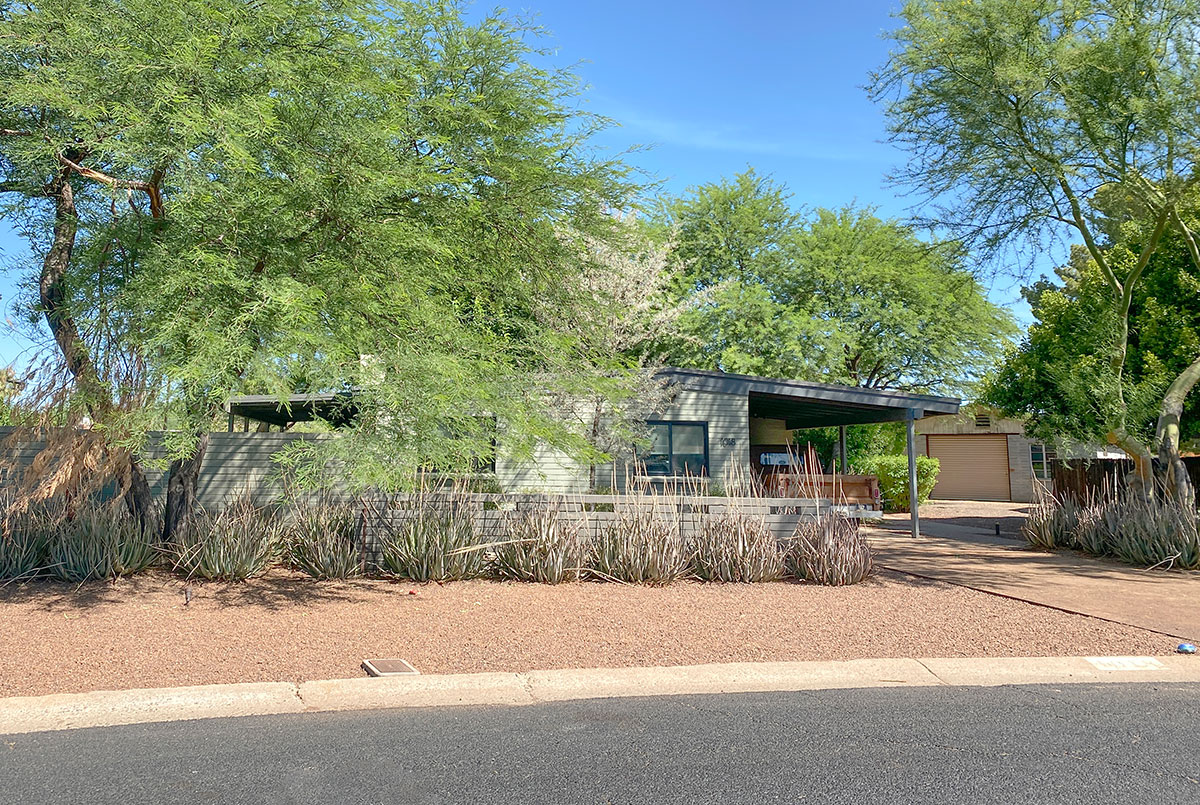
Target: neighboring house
{"type": "Point", "coordinates": [714, 426]}
{"type": "Point", "coordinates": [985, 456]}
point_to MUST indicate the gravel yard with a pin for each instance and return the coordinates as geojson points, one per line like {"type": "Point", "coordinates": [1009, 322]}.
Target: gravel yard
{"type": "Point", "coordinates": [140, 633]}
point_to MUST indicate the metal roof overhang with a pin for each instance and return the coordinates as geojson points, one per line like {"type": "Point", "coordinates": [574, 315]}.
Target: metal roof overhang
{"type": "Point", "coordinates": [335, 408]}
{"type": "Point", "coordinates": [802, 404]}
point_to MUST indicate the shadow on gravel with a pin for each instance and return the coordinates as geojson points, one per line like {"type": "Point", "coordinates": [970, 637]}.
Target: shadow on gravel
{"type": "Point", "coordinates": [276, 590]}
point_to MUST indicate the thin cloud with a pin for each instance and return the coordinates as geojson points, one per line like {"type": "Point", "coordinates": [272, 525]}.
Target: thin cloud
{"type": "Point", "coordinates": [733, 139]}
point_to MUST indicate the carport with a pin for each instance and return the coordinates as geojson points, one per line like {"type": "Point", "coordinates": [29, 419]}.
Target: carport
{"type": "Point", "coordinates": [802, 405]}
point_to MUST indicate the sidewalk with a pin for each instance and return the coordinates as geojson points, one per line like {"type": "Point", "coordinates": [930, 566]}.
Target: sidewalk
{"type": "Point", "coordinates": [1162, 601]}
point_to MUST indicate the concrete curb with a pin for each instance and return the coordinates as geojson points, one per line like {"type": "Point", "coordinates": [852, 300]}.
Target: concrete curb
{"type": "Point", "coordinates": [63, 711]}
{"type": "Point", "coordinates": [111, 708]}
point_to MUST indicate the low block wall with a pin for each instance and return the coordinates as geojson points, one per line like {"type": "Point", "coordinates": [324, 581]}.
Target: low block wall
{"type": "Point", "coordinates": [492, 514]}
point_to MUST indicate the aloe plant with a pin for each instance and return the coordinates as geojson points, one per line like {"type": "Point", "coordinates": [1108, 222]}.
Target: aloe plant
{"type": "Point", "coordinates": [542, 546]}
{"type": "Point", "coordinates": [734, 547]}
{"type": "Point", "coordinates": [323, 540]}
{"type": "Point", "coordinates": [640, 546]}
{"type": "Point", "coordinates": [829, 550]}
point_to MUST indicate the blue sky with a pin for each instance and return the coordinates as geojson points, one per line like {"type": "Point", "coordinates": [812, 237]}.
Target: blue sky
{"type": "Point", "coordinates": [714, 87]}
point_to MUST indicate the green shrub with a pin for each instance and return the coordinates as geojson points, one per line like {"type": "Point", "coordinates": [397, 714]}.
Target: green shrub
{"type": "Point", "coordinates": [237, 543]}
{"type": "Point", "coordinates": [640, 546]}
{"type": "Point", "coordinates": [736, 548]}
{"type": "Point", "coordinates": [435, 542]}
{"type": "Point", "coordinates": [892, 472]}
{"type": "Point", "coordinates": [829, 550]}
{"type": "Point", "coordinates": [323, 540]}
{"type": "Point", "coordinates": [542, 546]}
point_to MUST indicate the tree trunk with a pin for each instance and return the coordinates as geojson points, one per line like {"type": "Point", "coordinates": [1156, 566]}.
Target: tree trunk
{"type": "Point", "coordinates": [1176, 481]}
{"type": "Point", "coordinates": [52, 292]}
{"type": "Point", "coordinates": [181, 489]}
{"type": "Point", "coordinates": [138, 499]}
{"type": "Point", "coordinates": [1141, 481]}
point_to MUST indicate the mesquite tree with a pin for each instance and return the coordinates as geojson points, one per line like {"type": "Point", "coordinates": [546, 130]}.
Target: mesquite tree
{"type": "Point", "coordinates": [303, 196]}
{"type": "Point", "coordinates": [1022, 117]}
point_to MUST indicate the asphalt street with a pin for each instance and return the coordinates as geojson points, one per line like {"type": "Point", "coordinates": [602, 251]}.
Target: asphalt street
{"type": "Point", "coordinates": [1060, 744]}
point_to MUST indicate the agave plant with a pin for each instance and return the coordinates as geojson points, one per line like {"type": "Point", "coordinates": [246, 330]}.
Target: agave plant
{"type": "Point", "coordinates": [323, 540]}
{"type": "Point", "coordinates": [829, 550]}
{"type": "Point", "coordinates": [235, 544]}
{"type": "Point", "coordinates": [738, 548]}
{"type": "Point", "coordinates": [436, 541]}
{"type": "Point", "coordinates": [640, 546]}
{"type": "Point", "coordinates": [542, 546]}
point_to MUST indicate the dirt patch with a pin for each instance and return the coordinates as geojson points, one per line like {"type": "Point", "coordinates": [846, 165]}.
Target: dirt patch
{"type": "Point", "coordinates": [140, 633]}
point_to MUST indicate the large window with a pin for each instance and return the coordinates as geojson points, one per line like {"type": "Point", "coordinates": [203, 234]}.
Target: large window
{"type": "Point", "coordinates": [1042, 460]}
{"type": "Point", "coordinates": [676, 449]}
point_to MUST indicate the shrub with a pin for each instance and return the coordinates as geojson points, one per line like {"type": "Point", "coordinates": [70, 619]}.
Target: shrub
{"type": "Point", "coordinates": [892, 472]}
{"type": "Point", "coordinates": [542, 546]}
{"type": "Point", "coordinates": [233, 545]}
{"type": "Point", "coordinates": [435, 542]}
{"type": "Point", "coordinates": [737, 548]}
{"type": "Point", "coordinates": [829, 550]}
{"type": "Point", "coordinates": [322, 540]}
{"type": "Point", "coordinates": [640, 547]}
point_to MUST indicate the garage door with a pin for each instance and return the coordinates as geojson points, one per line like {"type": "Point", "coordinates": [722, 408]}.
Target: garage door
{"type": "Point", "coordinates": [973, 467]}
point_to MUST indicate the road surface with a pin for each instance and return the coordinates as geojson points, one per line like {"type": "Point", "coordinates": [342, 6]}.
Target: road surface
{"type": "Point", "coordinates": [1060, 744]}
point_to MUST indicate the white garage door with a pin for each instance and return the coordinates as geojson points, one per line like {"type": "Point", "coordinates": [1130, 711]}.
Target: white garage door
{"type": "Point", "coordinates": [973, 467]}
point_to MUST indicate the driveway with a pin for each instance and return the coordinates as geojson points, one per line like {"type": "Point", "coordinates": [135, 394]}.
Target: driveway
{"type": "Point", "coordinates": [1062, 744]}
{"type": "Point", "coordinates": [964, 517]}
{"type": "Point", "coordinates": [959, 545]}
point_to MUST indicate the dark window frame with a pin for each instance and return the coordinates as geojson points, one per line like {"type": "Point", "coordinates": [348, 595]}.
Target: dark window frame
{"type": "Point", "coordinates": [670, 423]}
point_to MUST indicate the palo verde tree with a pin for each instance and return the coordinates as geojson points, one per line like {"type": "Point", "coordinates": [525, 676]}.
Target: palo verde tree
{"type": "Point", "coordinates": [370, 196]}
{"type": "Point", "coordinates": [841, 296]}
{"type": "Point", "coordinates": [1060, 377]}
{"type": "Point", "coordinates": [1025, 118]}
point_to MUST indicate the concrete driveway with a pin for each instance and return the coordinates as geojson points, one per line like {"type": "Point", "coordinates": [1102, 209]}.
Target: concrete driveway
{"type": "Point", "coordinates": [959, 545]}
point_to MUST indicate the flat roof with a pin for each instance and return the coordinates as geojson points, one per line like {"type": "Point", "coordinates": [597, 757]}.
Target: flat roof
{"type": "Point", "coordinates": [800, 403]}
{"type": "Point", "coordinates": [334, 407]}
{"type": "Point", "coordinates": [805, 404]}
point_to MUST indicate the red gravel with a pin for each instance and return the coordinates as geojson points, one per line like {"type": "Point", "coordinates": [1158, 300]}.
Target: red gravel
{"type": "Point", "coordinates": [139, 632]}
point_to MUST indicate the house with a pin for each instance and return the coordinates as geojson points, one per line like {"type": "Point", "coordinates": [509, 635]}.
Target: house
{"type": "Point", "coordinates": [716, 426]}
{"type": "Point", "coordinates": [986, 456]}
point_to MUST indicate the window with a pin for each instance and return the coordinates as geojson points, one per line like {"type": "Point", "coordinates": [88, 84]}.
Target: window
{"type": "Point", "coordinates": [1042, 461]}
{"type": "Point", "coordinates": [983, 420]}
{"type": "Point", "coordinates": [676, 449]}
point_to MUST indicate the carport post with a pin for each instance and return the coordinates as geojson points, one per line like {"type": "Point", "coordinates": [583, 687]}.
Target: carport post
{"type": "Point", "coordinates": [911, 421]}
{"type": "Point", "coordinates": [843, 465]}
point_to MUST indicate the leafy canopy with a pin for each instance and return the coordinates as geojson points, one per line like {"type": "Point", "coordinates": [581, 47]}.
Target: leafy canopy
{"type": "Point", "coordinates": [300, 195]}
{"type": "Point", "coordinates": [1061, 375]}
{"type": "Point", "coordinates": [841, 296]}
